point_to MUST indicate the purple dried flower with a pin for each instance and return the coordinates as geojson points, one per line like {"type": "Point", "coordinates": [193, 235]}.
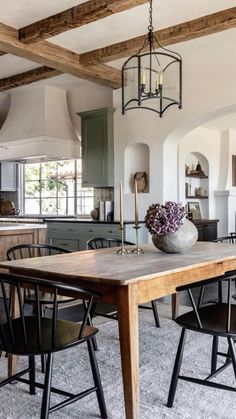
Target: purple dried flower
{"type": "Point", "coordinates": [164, 219]}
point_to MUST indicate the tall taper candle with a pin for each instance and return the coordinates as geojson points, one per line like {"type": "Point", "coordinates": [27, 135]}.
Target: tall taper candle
{"type": "Point", "coordinates": [135, 203]}
{"type": "Point", "coordinates": [121, 206]}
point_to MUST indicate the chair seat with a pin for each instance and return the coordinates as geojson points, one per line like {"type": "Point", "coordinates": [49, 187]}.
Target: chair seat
{"type": "Point", "coordinates": [213, 319]}
{"type": "Point", "coordinates": [67, 334]}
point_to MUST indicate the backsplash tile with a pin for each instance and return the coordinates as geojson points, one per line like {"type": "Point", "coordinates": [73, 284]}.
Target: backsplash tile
{"type": "Point", "coordinates": [103, 194]}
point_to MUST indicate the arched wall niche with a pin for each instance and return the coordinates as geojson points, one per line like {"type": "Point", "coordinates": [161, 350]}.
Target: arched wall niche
{"type": "Point", "coordinates": [137, 160]}
{"type": "Point", "coordinates": [196, 189]}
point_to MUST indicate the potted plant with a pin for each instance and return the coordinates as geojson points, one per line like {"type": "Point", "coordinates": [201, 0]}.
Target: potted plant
{"type": "Point", "coordinates": [171, 231]}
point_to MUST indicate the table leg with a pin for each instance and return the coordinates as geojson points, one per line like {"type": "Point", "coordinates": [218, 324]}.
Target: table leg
{"type": "Point", "coordinates": [128, 332]}
{"type": "Point", "coordinates": [175, 305]}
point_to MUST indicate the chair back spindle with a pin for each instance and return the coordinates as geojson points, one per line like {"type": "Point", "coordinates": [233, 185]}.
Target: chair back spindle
{"type": "Point", "coordinates": [23, 251]}
{"type": "Point", "coordinates": [105, 242]}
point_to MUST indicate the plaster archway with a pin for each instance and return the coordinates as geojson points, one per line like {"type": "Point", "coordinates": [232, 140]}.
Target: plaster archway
{"type": "Point", "coordinates": [170, 149]}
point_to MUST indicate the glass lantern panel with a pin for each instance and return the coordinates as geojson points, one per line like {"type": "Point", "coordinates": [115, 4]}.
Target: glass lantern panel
{"type": "Point", "coordinates": [171, 83]}
{"type": "Point", "coordinates": [130, 73]}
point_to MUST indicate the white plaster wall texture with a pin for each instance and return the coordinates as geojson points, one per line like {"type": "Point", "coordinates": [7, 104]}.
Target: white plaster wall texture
{"type": "Point", "coordinates": [206, 95]}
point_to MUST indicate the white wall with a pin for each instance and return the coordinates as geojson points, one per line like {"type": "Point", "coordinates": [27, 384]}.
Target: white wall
{"type": "Point", "coordinates": [209, 90]}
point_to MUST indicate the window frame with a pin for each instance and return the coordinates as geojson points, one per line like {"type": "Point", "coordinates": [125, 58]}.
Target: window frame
{"type": "Point", "coordinates": [76, 196]}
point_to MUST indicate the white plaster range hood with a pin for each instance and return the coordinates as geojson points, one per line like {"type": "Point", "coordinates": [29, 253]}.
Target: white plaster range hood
{"type": "Point", "coordinates": [38, 127]}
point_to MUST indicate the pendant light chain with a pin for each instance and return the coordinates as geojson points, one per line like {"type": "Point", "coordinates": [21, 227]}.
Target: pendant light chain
{"type": "Point", "coordinates": [150, 27]}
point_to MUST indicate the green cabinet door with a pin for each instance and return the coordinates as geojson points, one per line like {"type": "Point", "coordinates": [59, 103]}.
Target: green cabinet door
{"type": "Point", "coordinates": [97, 147]}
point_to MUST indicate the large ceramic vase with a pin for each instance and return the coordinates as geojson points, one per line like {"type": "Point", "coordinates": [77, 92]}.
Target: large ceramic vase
{"type": "Point", "coordinates": [180, 241]}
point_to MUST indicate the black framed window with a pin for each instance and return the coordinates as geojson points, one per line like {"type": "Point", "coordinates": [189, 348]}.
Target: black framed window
{"type": "Point", "coordinates": [55, 188]}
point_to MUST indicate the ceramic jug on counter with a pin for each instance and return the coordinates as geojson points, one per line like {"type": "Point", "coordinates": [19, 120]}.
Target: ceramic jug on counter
{"type": "Point", "coordinates": [7, 208]}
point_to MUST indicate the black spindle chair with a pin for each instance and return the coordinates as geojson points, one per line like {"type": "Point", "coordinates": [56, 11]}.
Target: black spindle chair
{"type": "Point", "coordinates": [106, 242]}
{"type": "Point", "coordinates": [31, 250]}
{"type": "Point", "coordinates": [213, 319]}
{"type": "Point", "coordinates": [231, 239]}
{"type": "Point", "coordinates": [31, 335]}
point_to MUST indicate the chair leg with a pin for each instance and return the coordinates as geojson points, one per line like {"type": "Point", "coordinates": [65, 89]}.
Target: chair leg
{"type": "Point", "coordinates": [97, 380]}
{"type": "Point", "coordinates": [176, 370]}
{"type": "Point", "coordinates": [214, 351]}
{"type": "Point", "coordinates": [32, 374]}
{"type": "Point", "coordinates": [220, 292]}
{"type": "Point", "coordinates": [155, 312]}
{"type": "Point", "coordinates": [175, 305]}
{"type": "Point", "coordinates": [232, 353]}
{"type": "Point", "coordinates": [90, 323]}
{"type": "Point", "coordinates": [47, 388]}
{"type": "Point", "coordinates": [43, 357]}
{"type": "Point", "coordinates": [43, 363]}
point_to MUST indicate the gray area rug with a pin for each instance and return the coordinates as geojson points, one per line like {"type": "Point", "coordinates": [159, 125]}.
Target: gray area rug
{"type": "Point", "coordinates": [157, 352]}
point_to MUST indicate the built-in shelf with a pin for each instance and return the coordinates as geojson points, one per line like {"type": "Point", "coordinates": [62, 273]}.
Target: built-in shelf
{"type": "Point", "coordinates": [197, 176]}
{"type": "Point", "coordinates": [196, 197]}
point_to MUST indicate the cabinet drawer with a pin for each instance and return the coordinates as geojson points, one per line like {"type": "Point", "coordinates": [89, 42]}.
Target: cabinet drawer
{"type": "Point", "coordinates": [102, 230]}
{"type": "Point", "coordinates": [66, 229]}
{"type": "Point", "coordinates": [66, 244]}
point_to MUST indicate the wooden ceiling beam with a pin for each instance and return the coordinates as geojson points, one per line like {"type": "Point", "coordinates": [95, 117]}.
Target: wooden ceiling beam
{"type": "Point", "coordinates": [61, 59]}
{"type": "Point", "coordinates": [27, 77]}
{"type": "Point", "coordinates": [84, 13]}
{"type": "Point", "coordinates": [206, 25]}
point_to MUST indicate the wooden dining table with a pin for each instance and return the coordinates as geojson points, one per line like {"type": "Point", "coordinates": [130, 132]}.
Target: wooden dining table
{"type": "Point", "coordinates": [127, 281]}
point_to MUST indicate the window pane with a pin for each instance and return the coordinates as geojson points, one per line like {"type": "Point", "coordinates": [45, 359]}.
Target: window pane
{"type": "Point", "coordinates": [66, 188]}
{"type": "Point", "coordinates": [49, 206]}
{"type": "Point", "coordinates": [32, 206]}
{"type": "Point", "coordinates": [49, 170]}
{"type": "Point", "coordinates": [62, 206]}
{"type": "Point", "coordinates": [66, 169]}
{"type": "Point", "coordinates": [32, 171]}
{"type": "Point", "coordinates": [32, 189]}
{"type": "Point", "coordinates": [49, 188]}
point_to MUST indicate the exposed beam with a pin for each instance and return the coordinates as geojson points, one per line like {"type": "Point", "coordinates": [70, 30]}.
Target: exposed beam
{"type": "Point", "coordinates": [27, 77]}
{"type": "Point", "coordinates": [206, 25]}
{"type": "Point", "coordinates": [61, 59]}
{"type": "Point", "coordinates": [74, 17]}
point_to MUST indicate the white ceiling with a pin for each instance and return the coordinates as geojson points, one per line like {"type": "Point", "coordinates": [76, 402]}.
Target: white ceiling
{"type": "Point", "coordinates": [124, 25]}
{"type": "Point", "coordinates": [121, 26]}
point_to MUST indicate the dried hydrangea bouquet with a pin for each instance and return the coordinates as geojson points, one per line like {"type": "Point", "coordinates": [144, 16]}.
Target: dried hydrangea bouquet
{"type": "Point", "coordinates": [171, 231]}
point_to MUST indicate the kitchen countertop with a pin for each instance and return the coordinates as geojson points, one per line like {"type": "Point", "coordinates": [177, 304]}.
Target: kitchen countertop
{"type": "Point", "coordinates": [85, 220]}
{"type": "Point", "coordinates": [21, 226]}
{"type": "Point", "coordinates": [14, 220]}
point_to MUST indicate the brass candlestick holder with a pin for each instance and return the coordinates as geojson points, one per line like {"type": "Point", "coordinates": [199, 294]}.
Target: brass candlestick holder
{"type": "Point", "coordinates": [137, 250]}
{"type": "Point", "coordinates": [122, 250]}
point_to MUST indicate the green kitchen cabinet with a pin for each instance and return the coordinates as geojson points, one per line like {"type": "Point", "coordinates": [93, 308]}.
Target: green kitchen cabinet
{"type": "Point", "coordinates": [97, 147]}
{"type": "Point", "coordinates": [75, 235]}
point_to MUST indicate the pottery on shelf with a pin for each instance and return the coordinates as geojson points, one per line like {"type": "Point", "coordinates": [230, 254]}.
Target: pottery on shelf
{"type": "Point", "coordinates": [142, 181]}
{"type": "Point", "coordinates": [180, 241]}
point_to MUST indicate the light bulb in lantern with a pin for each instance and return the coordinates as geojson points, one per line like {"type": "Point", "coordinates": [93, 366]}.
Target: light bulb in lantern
{"type": "Point", "coordinates": [143, 76]}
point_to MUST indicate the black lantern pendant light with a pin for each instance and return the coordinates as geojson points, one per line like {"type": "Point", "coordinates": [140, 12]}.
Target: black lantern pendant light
{"type": "Point", "coordinates": [152, 80]}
